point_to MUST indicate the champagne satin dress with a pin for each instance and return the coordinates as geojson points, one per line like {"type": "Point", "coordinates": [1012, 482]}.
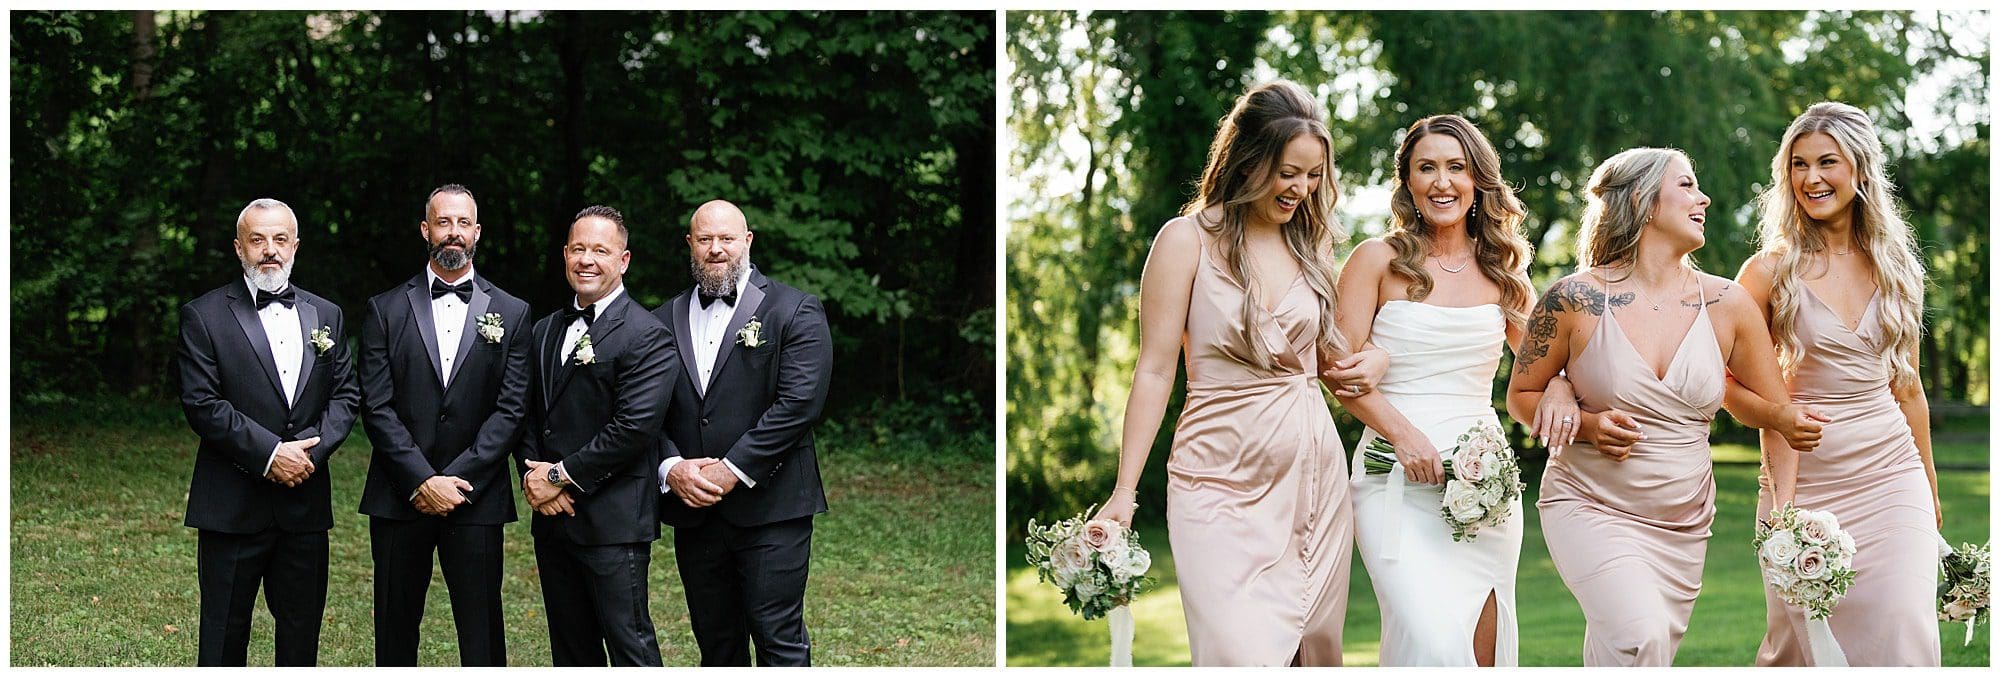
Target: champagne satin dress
{"type": "Point", "coordinates": [1867, 472]}
{"type": "Point", "coordinates": [1628, 538]}
{"type": "Point", "coordinates": [1257, 497]}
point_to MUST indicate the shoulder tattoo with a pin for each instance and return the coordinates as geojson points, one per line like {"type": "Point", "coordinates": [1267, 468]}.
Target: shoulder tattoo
{"type": "Point", "coordinates": [1570, 295]}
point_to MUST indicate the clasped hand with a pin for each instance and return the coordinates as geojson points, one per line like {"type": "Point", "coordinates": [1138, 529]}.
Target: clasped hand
{"type": "Point", "coordinates": [701, 482]}
{"type": "Point", "coordinates": [545, 498]}
{"type": "Point", "coordinates": [440, 495]}
{"type": "Point", "coordinates": [291, 464]}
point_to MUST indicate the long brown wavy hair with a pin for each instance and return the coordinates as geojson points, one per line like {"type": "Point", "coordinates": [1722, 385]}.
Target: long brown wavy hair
{"type": "Point", "coordinates": [1878, 229]}
{"type": "Point", "coordinates": [1497, 243]}
{"type": "Point", "coordinates": [1249, 142]}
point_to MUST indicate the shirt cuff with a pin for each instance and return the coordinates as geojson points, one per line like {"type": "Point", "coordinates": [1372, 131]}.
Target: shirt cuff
{"type": "Point", "coordinates": [273, 458]}
{"type": "Point", "coordinates": [665, 466]}
{"type": "Point", "coordinates": [739, 474]}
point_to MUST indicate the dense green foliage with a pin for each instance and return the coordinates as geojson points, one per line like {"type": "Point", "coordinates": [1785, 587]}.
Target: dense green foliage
{"type": "Point", "coordinates": [859, 144]}
{"type": "Point", "coordinates": [1112, 112]}
{"type": "Point", "coordinates": [105, 575]}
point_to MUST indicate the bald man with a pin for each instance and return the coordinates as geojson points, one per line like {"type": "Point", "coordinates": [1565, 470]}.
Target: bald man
{"type": "Point", "coordinates": [736, 462]}
{"type": "Point", "coordinates": [268, 385]}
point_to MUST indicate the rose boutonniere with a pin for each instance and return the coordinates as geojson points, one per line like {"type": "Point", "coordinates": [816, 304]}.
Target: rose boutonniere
{"type": "Point", "coordinates": [490, 328]}
{"type": "Point", "coordinates": [751, 335]}
{"type": "Point", "coordinates": [322, 339]}
{"type": "Point", "coordinates": [583, 353]}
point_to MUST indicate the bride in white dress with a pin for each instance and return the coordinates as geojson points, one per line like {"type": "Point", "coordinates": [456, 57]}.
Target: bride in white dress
{"type": "Point", "coordinates": [1440, 292]}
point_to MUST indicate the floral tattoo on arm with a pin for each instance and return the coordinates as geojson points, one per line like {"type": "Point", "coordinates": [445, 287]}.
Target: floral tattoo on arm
{"type": "Point", "coordinates": [1571, 295]}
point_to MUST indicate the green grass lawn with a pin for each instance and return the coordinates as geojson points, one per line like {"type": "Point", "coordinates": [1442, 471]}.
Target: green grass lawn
{"type": "Point", "coordinates": [103, 573]}
{"type": "Point", "coordinates": [1727, 625]}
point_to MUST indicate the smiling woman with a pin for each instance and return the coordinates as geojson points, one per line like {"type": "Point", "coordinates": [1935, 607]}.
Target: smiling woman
{"type": "Point", "coordinates": [1629, 473]}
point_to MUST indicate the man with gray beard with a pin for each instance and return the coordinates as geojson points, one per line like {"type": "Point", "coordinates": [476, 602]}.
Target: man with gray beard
{"type": "Point", "coordinates": [266, 382]}
{"type": "Point", "coordinates": [444, 378]}
{"type": "Point", "coordinates": [736, 457]}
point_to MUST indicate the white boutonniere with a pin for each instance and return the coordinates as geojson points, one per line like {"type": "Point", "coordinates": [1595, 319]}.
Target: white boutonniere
{"type": "Point", "coordinates": [490, 327]}
{"type": "Point", "coordinates": [583, 353]}
{"type": "Point", "coordinates": [322, 339]}
{"type": "Point", "coordinates": [750, 336]}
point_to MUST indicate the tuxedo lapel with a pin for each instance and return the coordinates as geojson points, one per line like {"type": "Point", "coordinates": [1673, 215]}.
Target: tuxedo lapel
{"type": "Point", "coordinates": [242, 306]}
{"type": "Point", "coordinates": [470, 333]}
{"type": "Point", "coordinates": [551, 352]}
{"type": "Point", "coordinates": [684, 339]}
{"type": "Point", "coordinates": [746, 308]}
{"type": "Point", "coordinates": [420, 315]}
{"type": "Point", "coordinates": [308, 323]}
{"type": "Point", "coordinates": [600, 330]}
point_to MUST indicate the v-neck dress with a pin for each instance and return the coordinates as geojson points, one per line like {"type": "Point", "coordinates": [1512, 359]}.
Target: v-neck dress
{"type": "Point", "coordinates": [1629, 537]}
{"type": "Point", "coordinates": [1257, 495]}
{"type": "Point", "coordinates": [1867, 472]}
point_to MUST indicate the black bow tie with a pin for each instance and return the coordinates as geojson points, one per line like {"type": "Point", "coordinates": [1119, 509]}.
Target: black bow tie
{"type": "Point", "coordinates": [586, 313]}
{"type": "Point", "coordinates": [707, 300]}
{"type": "Point", "coordinates": [289, 297]}
{"type": "Point", "coordinates": [462, 289]}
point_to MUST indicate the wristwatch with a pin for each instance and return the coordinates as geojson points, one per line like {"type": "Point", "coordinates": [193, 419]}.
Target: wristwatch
{"type": "Point", "coordinates": [556, 477]}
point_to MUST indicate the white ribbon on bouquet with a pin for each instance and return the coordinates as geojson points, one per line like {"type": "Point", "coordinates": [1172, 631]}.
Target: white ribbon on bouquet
{"type": "Point", "coordinates": [1825, 649]}
{"type": "Point", "coordinates": [1945, 550]}
{"type": "Point", "coordinates": [1120, 620]}
{"type": "Point", "coordinates": [1392, 502]}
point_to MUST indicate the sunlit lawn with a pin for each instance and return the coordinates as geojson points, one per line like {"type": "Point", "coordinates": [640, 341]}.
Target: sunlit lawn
{"type": "Point", "coordinates": [1727, 625]}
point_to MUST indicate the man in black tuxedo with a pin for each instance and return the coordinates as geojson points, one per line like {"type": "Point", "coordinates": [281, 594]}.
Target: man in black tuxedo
{"type": "Point", "coordinates": [268, 384]}
{"type": "Point", "coordinates": [737, 454]}
{"type": "Point", "coordinates": [444, 375]}
{"type": "Point", "coordinates": [598, 393]}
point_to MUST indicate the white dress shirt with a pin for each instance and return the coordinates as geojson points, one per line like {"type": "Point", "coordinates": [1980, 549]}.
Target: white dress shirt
{"type": "Point", "coordinates": [447, 320]}
{"type": "Point", "coordinates": [281, 329]}
{"type": "Point", "coordinates": [707, 326]}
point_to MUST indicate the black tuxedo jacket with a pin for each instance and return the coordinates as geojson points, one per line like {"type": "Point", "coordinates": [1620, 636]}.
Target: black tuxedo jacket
{"type": "Point", "coordinates": [760, 406]}
{"type": "Point", "coordinates": [600, 420]}
{"type": "Point", "coordinates": [231, 394]}
{"type": "Point", "coordinates": [421, 428]}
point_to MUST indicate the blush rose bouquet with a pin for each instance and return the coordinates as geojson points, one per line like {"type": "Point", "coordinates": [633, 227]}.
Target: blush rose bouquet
{"type": "Point", "coordinates": [1809, 561]}
{"type": "Point", "coordinates": [1965, 581]}
{"type": "Point", "coordinates": [1484, 478]}
{"type": "Point", "coordinates": [1099, 566]}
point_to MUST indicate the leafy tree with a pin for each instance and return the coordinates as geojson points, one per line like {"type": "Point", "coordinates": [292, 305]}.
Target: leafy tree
{"type": "Point", "coordinates": [1112, 112]}
{"type": "Point", "coordinates": [859, 145]}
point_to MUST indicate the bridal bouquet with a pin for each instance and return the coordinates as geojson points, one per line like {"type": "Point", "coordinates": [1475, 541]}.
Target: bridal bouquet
{"type": "Point", "coordinates": [1809, 561]}
{"type": "Point", "coordinates": [1485, 478]}
{"type": "Point", "coordinates": [1099, 566]}
{"type": "Point", "coordinates": [1964, 584]}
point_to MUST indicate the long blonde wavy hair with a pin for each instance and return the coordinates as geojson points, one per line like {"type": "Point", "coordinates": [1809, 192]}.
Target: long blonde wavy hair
{"type": "Point", "coordinates": [1799, 242]}
{"type": "Point", "coordinates": [1494, 225]}
{"type": "Point", "coordinates": [1623, 191]}
{"type": "Point", "coordinates": [1249, 143]}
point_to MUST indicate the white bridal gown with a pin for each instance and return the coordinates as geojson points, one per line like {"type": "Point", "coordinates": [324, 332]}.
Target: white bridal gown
{"type": "Point", "coordinates": [1431, 589]}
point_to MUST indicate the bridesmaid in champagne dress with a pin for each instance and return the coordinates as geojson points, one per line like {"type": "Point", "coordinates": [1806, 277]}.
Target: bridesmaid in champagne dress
{"type": "Point", "coordinates": [1844, 291]}
{"type": "Point", "coordinates": [1646, 340]}
{"type": "Point", "coordinates": [1257, 504]}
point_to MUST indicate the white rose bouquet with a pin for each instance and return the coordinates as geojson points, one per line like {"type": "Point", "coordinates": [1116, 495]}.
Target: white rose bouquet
{"type": "Point", "coordinates": [1809, 561]}
{"type": "Point", "coordinates": [1485, 478]}
{"type": "Point", "coordinates": [1099, 566]}
{"type": "Point", "coordinates": [1964, 585]}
